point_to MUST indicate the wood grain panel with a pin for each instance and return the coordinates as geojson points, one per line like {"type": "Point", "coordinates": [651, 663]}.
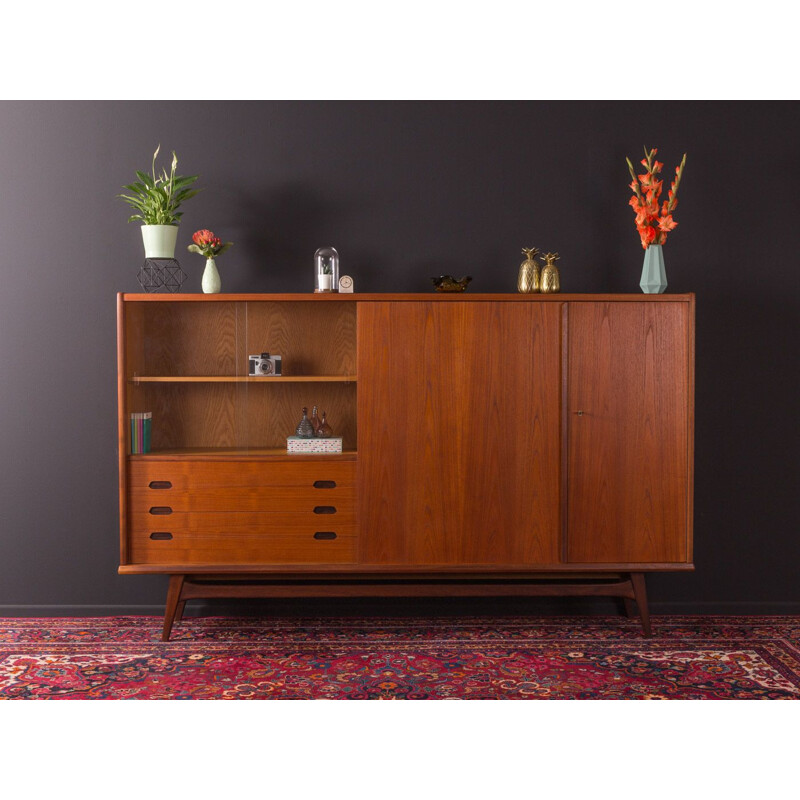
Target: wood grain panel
{"type": "Point", "coordinates": [124, 323]}
{"type": "Point", "coordinates": [421, 572]}
{"type": "Point", "coordinates": [272, 412]}
{"type": "Point", "coordinates": [243, 539]}
{"type": "Point", "coordinates": [240, 523]}
{"type": "Point", "coordinates": [255, 415]}
{"type": "Point", "coordinates": [404, 297]}
{"type": "Point", "coordinates": [311, 339]}
{"type": "Point", "coordinates": [511, 437]}
{"type": "Point", "coordinates": [240, 454]}
{"type": "Point", "coordinates": [459, 433]}
{"type": "Point", "coordinates": [195, 475]}
{"type": "Point", "coordinates": [193, 339]}
{"type": "Point", "coordinates": [236, 498]}
{"type": "Point", "coordinates": [628, 451]}
{"type": "Point", "coordinates": [194, 415]}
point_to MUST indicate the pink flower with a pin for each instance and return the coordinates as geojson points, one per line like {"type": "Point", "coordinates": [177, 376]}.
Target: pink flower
{"type": "Point", "coordinates": [204, 237]}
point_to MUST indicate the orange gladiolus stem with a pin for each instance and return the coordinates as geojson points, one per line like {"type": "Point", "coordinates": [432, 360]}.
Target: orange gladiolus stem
{"type": "Point", "coordinates": [652, 226]}
{"type": "Point", "coordinates": [673, 191]}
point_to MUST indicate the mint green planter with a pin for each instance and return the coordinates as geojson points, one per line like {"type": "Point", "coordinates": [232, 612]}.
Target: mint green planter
{"type": "Point", "coordinates": [654, 276]}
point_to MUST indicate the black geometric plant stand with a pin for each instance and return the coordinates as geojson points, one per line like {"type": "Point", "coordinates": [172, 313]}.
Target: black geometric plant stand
{"type": "Point", "coordinates": [161, 275]}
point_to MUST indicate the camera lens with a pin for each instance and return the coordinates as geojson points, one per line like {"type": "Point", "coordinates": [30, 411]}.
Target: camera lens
{"type": "Point", "coordinates": [266, 367]}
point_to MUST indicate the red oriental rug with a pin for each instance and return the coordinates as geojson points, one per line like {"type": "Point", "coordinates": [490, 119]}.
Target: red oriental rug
{"type": "Point", "coordinates": [440, 658]}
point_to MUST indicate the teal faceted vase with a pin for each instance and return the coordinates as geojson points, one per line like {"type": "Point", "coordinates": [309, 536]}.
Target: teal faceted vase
{"type": "Point", "coordinates": [654, 276]}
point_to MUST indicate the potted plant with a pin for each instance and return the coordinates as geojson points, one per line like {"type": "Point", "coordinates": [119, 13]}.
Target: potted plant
{"type": "Point", "coordinates": [210, 246]}
{"type": "Point", "coordinates": [157, 199]}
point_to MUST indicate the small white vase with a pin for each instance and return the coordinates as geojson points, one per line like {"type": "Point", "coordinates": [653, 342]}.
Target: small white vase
{"type": "Point", "coordinates": [159, 240]}
{"type": "Point", "coordinates": [211, 282]}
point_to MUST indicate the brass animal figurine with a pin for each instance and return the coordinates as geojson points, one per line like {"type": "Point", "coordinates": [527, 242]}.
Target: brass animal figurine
{"type": "Point", "coordinates": [447, 283]}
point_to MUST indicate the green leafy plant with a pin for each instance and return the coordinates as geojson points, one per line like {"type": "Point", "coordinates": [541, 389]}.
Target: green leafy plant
{"type": "Point", "coordinates": [157, 198]}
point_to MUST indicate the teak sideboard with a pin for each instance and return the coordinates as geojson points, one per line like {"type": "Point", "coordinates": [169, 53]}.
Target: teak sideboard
{"type": "Point", "coordinates": [493, 444]}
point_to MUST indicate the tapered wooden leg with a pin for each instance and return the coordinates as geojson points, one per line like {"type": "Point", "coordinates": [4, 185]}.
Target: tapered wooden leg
{"type": "Point", "coordinates": [630, 607]}
{"type": "Point", "coordinates": [173, 598]}
{"type": "Point", "coordinates": [640, 592]}
{"type": "Point", "coordinates": [179, 612]}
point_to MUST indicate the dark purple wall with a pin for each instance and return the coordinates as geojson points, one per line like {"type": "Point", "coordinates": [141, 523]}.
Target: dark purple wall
{"type": "Point", "coordinates": [404, 191]}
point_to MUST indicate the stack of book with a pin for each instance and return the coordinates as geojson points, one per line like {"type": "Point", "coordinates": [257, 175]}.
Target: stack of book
{"type": "Point", "coordinates": [141, 422]}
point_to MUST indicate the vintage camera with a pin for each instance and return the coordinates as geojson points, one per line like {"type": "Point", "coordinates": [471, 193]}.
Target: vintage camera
{"type": "Point", "coordinates": [264, 366]}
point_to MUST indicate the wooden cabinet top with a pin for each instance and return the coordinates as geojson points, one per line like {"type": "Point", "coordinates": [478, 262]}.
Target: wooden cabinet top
{"type": "Point", "coordinates": [446, 297]}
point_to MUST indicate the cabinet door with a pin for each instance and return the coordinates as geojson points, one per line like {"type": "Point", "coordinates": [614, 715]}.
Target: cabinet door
{"type": "Point", "coordinates": [628, 432]}
{"type": "Point", "coordinates": [458, 430]}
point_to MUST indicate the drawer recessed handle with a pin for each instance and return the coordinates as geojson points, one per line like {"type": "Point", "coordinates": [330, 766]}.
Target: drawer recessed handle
{"type": "Point", "coordinates": [324, 484]}
{"type": "Point", "coordinates": [324, 535]}
{"type": "Point", "coordinates": [160, 510]}
{"type": "Point", "coordinates": [160, 535]}
{"type": "Point", "coordinates": [325, 510]}
{"type": "Point", "coordinates": [160, 485]}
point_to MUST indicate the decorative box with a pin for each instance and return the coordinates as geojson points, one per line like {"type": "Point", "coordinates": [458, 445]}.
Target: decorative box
{"type": "Point", "coordinates": [295, 444]}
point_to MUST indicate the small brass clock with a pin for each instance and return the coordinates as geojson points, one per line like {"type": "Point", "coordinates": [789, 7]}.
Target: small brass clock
{"type": "Point", "coordinates": [346, 284]}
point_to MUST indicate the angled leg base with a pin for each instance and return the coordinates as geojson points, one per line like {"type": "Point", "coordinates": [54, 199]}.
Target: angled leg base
{"type": "Point", "coordinates": [175, 605]}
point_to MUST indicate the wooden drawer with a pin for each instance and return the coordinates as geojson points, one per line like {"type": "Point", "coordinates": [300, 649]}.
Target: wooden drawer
{"type": "Point", "coordinates": [272, 499]}
{"type": "Point", "coordinates": [254, 521]}
{"type": "Point", "coordinates": [182, 486]}
{"type": "Point", "coordinates": [242, 538]}
{"type": "Point", "coordinates": [241, 512]}
{"type": "Point", "coordinates": [192, 475]}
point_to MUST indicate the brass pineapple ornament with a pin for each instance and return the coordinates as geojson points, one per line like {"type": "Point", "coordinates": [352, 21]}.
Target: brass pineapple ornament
{"type": "Point", "coordinates": [528, 280]}
{"type": "Point", "coordinates": [549, 280]}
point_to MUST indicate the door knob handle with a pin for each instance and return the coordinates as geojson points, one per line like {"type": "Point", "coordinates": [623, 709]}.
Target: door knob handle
{"type": "Point", "coordinates": [579, 413]}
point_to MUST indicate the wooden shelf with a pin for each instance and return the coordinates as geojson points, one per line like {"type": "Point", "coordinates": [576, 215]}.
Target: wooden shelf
{"type": "Point", "coordinates": [242, 379]}
{"type": "Point", "coordinates": [234, 453]}
{"type": "Point", "coordinates": [404, 297]}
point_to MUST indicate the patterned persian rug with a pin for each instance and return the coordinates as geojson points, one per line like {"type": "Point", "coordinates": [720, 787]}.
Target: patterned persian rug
{"type": "Point", "coordinates": [511, 658]}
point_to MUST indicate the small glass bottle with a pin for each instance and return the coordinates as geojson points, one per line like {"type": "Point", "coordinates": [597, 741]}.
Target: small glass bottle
{"type": "Point", "coordinates": [304, 429]}
{"type": "Point", "coordinates": [324, 431]}
{"type": "Point", "coordinates": [315, 423]}
{"type": "Point", "coordinates": [326, 270]}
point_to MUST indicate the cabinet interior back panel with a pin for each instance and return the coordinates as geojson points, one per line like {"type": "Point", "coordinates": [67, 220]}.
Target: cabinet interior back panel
{"type": "Point", "coordinates": [311, 338]}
